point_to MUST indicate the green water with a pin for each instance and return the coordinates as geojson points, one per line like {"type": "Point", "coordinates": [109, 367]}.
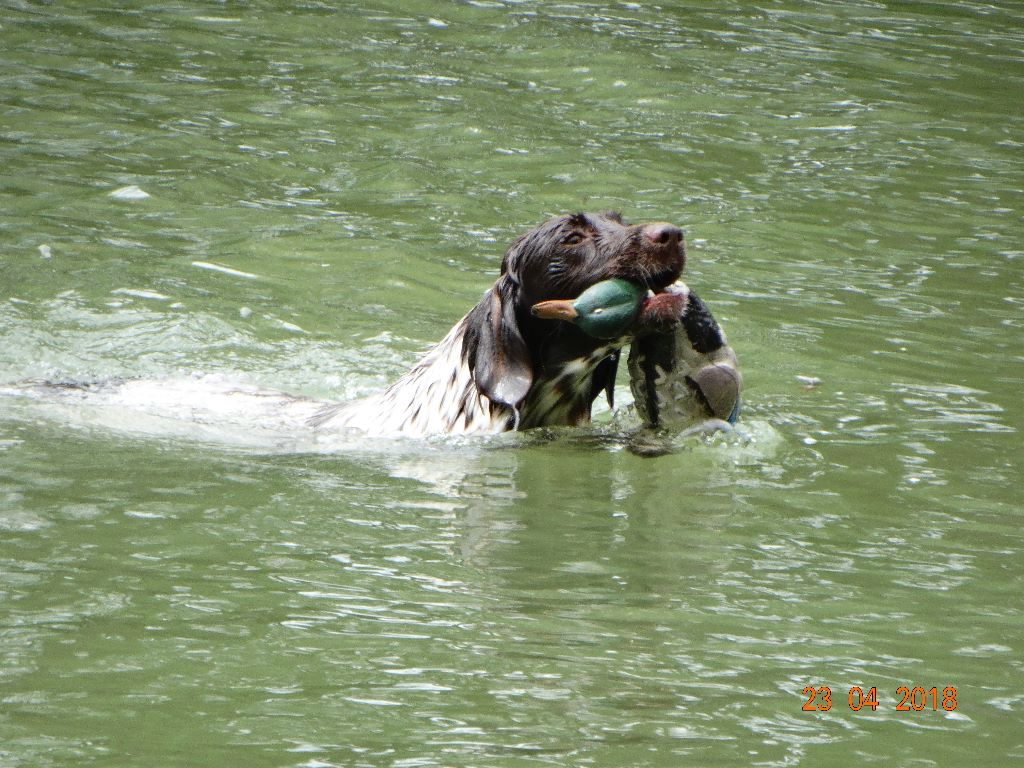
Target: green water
{"type": "Point", "coordinates": [849, 176]}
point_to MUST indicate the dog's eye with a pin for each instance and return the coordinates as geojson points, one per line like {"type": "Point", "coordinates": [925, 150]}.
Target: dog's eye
{"type": "Point", "coordinates": [573, 238]}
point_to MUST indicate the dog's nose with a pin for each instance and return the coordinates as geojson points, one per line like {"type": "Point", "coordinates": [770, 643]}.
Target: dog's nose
{"type": "Point", "coordinates": [661, 233]}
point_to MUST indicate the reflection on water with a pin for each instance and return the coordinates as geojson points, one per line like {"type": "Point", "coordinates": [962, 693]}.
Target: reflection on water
{"type": "Point", "coordinates": [303, 197]}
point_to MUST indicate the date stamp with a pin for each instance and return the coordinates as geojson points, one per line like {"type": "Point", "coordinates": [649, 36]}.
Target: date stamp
{"type": "Point", "coordinates": [916, 699]}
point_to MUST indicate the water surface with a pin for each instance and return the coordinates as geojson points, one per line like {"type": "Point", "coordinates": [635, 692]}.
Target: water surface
{"type": "Point", "coordinates": [305, 196]}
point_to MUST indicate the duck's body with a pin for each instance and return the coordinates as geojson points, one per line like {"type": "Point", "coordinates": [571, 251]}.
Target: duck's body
{"type": "Point", "coordinates": [686, 375]}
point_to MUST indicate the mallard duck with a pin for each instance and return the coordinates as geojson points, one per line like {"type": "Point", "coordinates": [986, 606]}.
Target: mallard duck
{"type": "Point", "coordinates": [679, 376]}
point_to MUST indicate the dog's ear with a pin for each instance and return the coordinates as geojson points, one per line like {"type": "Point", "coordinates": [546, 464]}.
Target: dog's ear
{"type": "Point", "coordinates": [494, 346]}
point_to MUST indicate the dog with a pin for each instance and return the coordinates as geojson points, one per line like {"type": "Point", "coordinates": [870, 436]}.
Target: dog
{"type": "Point", "coordinates": [500, 368]}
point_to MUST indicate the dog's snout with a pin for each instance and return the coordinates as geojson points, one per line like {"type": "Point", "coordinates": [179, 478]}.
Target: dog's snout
{"type": "Point", "coordinates": [661, 233]}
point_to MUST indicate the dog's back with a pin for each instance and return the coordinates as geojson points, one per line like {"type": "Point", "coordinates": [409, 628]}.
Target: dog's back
{"type": "Point", "coordinates": [438, 395]}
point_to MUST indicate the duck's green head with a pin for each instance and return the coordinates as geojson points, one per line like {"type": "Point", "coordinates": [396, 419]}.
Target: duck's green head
{"type": "Point", "coordinates": [605, 310]}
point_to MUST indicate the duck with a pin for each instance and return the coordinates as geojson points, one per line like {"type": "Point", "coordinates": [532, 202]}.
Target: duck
{"type": "Point", "coordinates": [681, 377]}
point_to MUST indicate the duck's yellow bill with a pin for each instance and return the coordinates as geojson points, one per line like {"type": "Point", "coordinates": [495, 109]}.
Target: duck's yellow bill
{"type": "Point", "coordinates": [559, 309]}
